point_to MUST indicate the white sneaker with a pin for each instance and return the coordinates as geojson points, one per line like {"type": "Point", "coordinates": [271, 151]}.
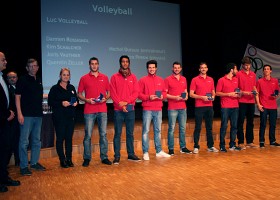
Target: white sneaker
{"type": "Point", "coordinates": [162, 154]}
{"type": "Point", "coordinates": [146, 156]}
{"type": "Point", "coordinates": [213, 149]}
{"type": "Point", "coordinates": [195, 150]}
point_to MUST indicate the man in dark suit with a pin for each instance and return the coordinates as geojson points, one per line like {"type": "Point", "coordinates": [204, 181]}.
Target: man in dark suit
{"type": "Point", "coordinates": [12, 78]}
{"type": "Point", "coordinates": [6, 115]}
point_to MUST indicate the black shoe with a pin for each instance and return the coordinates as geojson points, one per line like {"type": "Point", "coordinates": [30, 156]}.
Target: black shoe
{"type": "Point", "coordinates": [133, 158]}
{"type": "Point", "coordinates": [171, 152]}
{"type": "Point", "coordinates": [3, 188]}
{"type": "Point", "coordinates": [11, 182]}
{"type": "Point", "coordinates": [116, 161]}
{"type": "Point", "coordinates": [262, 145]}
{"type": "Point", "coordinates": [275, 144]}
{"type": "Point", "coordinates": [86, 162]}
{"type": "Point", "coordinates": [106, 161]}
{"type": "Point", "coordinates": [25, 171]}
{"type": "Point", "coordinates": [63, 164]}
{"type": "Point", "coordinates": [184, 150]}
{"type": "Point", "coordinates": [223, 149]}
{"type": "Point", "coordinates": [69, 163]}
{"type": "Point", "coordinates": [38, 167]}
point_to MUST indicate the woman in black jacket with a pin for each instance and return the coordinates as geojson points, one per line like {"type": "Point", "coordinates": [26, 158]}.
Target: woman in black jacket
{"type": "Point", "coordinates": [63, 100]}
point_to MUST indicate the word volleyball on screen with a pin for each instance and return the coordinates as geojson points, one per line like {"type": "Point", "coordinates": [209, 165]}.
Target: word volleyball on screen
{"type": "Point", "coordinates": [74, 31]}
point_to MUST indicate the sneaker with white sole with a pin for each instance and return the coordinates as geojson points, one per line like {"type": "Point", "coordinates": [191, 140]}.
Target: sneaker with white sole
{"type": "Point", "coordinates": [146, 156]}
{"type": "Point", "coordinates": [252, 145]}
{"type": "Point", "coordinates": [275, 144]}
{"type": "Point", "coordinates": [235, 148]}
{"type": "Point", "coordinates": [162, 154]}
{"type": "Point", "coordinates": [185, 150]}
{"type": "Point", "coordinates": [242, 146]}
{"type": "Point", "coordinates": [195, 150]}
{"type": "Point", "coordinates": [213, 149]}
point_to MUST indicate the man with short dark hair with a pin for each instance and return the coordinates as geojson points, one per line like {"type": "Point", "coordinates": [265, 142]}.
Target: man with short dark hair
{"type": "Point", "coordinates": [152, 92]}
{"type": "Point", "coordinates": [95, 109]}
{"type": "Point", "coordinates": [247, 85]}
{"type": "Point", "coordinates": [227, 89]}
{"type": "Point", "coordinates": [203, 91]}
{"type": "Point", "coordinates": [124, 91]}
{"type": "Point", "coordinates": [177, 95]}
{"type": "Point", "coordinates": [266, 98]}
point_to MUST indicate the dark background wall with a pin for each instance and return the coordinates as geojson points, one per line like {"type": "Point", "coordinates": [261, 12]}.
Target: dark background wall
{"type": "Point", "coordinates": [216, 33]}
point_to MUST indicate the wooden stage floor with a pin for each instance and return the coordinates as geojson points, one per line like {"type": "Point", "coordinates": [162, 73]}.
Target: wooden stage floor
{"type": "Point", "coordinates": [249, 174]}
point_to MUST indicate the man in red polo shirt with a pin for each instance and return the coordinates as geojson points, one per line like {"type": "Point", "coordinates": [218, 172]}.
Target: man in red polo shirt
{"type": "Point", "coordinates": [227, 89]}
{"type": "Point", "coordinates": [152, 92]}
{"type": "Point", "coordinates": [247, 84]}
{"type": "Point", "coordinates": [268, 90]}
{"type": "Point", "coordinates": [203, 91]}
{"type": "Point", "coordinates": [94, 90]}
{"type": "Point", "coordinates": [177, 95]}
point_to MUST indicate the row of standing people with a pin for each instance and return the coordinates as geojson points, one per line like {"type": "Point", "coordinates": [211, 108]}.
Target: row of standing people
{"type": "Point", "coordinates": [236, 89]}
{"type": "Point", "coordinates": [124, 89]}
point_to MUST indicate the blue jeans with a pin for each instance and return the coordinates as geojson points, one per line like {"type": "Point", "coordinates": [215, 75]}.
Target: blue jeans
{"type": "Point", "coordinates": [148, 116]}
{"type": "Point", "coordinates": [31, 128]}
{"type": "Point", "coordinates": [230, 114]}
{"type": "Point", "coordinates": [272, 113]}
{"type": "Point", "coordinates": [101, 119]}
{"type": "Point", "coordinates": [173, 115]}
{"type": "Point", "coordinates": [207, 113]}
{"type": "Point", "coordinates": [129, 119]}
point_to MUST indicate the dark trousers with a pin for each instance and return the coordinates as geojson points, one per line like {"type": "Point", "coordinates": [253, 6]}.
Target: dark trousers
{"type": "Point", "coordinates": [4, 151]}
{"type": "Point", "coordinates": [14, 133]}
{"type": "Point", "coordinates": [64, 129]}
{"type": "Point", "coordinates": [246, 110]}
{"type": "Point", "coordinates": [207, 113]}
{"type": "Point", "coordinates": [272, 113]}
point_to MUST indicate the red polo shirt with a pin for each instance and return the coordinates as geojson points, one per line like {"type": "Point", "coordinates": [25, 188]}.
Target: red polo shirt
{"type": "Point", "coordinates": [92, 87]}
{"type": "Point", "coordinates": [148, 85]}
{"type": "Point", "coordinates": [266, 88]}
{"type": "Point", "coordinates": [226, 85]}
{"type": "Point", "coordinates": [175, 87]}
{"type": "Point", "coordinates": [202, 86]}
{"type": "Point", "coordinates": [246, 83]}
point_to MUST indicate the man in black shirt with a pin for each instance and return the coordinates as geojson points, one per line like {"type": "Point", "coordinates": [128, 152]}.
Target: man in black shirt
{"type": "Point", "coordinates": [29, 97]}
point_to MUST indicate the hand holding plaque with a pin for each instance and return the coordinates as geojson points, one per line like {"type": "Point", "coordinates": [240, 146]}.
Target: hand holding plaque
{"type": "Point", "coordinates": [209, 96]}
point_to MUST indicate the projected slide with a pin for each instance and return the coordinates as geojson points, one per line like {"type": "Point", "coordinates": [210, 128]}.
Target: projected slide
{"type": "Point", "coordinates": [74, 31]}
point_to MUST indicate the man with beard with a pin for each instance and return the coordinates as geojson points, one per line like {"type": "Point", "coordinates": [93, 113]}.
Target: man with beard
{"type": "Point", "coordinates": [203, 91]}
{"type": "Point", "coordinates": [149, 87]}
{"type": "Point", "coordinates": [227, 89]}
{"type": "Point", "coordinates": [124, 92]}
{"type": "Point", "coordinates": [177, 95]}
{"type": "Point", "coordinates": [94, 90]}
